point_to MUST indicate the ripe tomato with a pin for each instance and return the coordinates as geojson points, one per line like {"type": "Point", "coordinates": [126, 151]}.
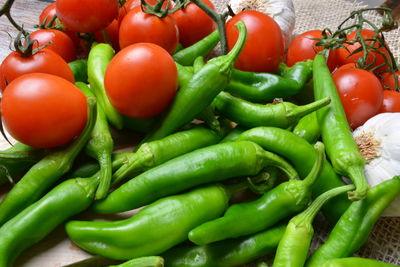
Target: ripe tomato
{"type": "Point", "coordinates": [264, 48]}
{"type": "Point", "coordinates": [388, 81]}
{"type": "Point", "coordinates": [193, 23]}
{"type": "Point", "coordinates": [303, 47]}
{"type": "Point", "coordinates": [343, 54]}
{"type": "Point", "coordinates": [113, 34]}
{"type": "Point", "coordinates": [86, 15]}
{"type": "Point", "coordinates": [44, 61]}
{"type": "Point", "coordinates": [43, 110]}
{"type": "Point", "coordinates": [141, 80]}
{"type": "Point", "coordinates": [391, 101]}
{"type": "Point", "coordinates": [47, 14]}
{"type": "Point", "coordinates": [140, 27]}
{"type": "Point", "coordinates": [346, 67]}
{"type": "Point", "coordinates": [131, 4]}
{"type": "Point", "coordinates": [59, 43]}
{"type": "Point", "coordinates": [361, 94]}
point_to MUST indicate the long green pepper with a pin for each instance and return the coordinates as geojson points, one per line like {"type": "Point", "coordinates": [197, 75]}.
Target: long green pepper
{"type": "Point", "coordinates": [205, 85]}
{"type": "Point", "coordinates": [246, 218]}
{"type": "Point", "coordinates": [99, 57]}
{"type": "Point", "coordinates": [351, 262]}
{"type": "Point", "coordinates": [45, 173]}
{"type": "Point", "coordinates": [341, 148]}
{"type": "Point", "coordinates": [210, 164]}
{"type": "Point", "coordinates": [150, 261]}
{"type": "Point", "coordinates": [100, 145]}
{"type": "Point", "coordinates": [308, 128]}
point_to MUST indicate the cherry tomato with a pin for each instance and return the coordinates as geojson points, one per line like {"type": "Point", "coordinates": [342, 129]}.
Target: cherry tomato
{"type": "Point", "coordinates": [141, 80]}
{"type": "Point", "coordinates": [388, 81]}
{"type": "Point", "coordinates": [361, 94]}
{"type": "Point", "coordinates": [58, 41]}
{"type": "Point", "coordinates": [391, 101]}
{"type": "Point", "coordinates": [193, 23]}
{"type": "Point", "coordinates": [264, 48]}
{"type": "Point", "coordinates": [43, 110]}
{"type": "Point", "coordinates": [131, 4]}
{"type": "Point", "coordinates": [44, 61]}
{"type": "Point", "coordinates": [47, 14]}
{"type": "Point", "coordinates": [343, 53]}
{"type": "Point", "coordinates": [346, 67]}
{"type": "Point", "coordinates": [113, 35]}
{"type": "Point", "coordinates": [86, 15]}
{"type": "Point", "coordinates": [303, 47]}
{"type": "Point", "coordinates": [140, 27]}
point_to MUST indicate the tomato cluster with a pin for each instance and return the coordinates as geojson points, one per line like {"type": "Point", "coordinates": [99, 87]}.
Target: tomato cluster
{"type": "Point", "coordinates": [363, 93]}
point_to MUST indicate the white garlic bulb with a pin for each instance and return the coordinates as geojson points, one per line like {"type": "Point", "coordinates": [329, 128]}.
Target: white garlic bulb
{"type": "Point", "coordinates": [282, 11]}
{"type": "Point", "coordinates": [379, 142]}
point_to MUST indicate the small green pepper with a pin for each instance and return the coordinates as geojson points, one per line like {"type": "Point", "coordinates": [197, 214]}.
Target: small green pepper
{"type": "Point", "coordinates": [246, 218]}
{"type": "Point", "coordinates": [45, 173]}
{"type": "Point", "coordinates": [282, 115]}
{"type": "Point", "coordinates": [227, 253]}
{"type": "Point", "coordinates": [150, 261]}
{"type": "Point", "coordinates": [210, 164]}
{"type": "Point", "coordinates": [295, 243]}
{"type": "Point", "coordinates": [341, 148]}
{"type": "Point", "coordinates": [351, 262]}
{"type": "Point", "coordinates": [308, 128]}
{"type": "Point", "coordinates": [79, 69]}
{"type": "Point", "coordinates": [353, 228]}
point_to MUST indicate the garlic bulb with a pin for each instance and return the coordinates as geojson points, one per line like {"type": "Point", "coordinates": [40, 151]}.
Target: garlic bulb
{"type": "Point", "coordinates": [379, 142]}
{"type": "Point", "coordinates": [282, 11]}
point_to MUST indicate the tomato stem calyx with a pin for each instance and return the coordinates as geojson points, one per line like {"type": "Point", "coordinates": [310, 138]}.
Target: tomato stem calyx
{"type": "Point", "coordinates": [25, 48]}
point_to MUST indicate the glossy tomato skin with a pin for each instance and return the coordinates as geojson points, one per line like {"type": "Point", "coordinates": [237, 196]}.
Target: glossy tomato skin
{"type": "Point", "coordinates": [343, 54]}
{"type": "Point", "coordinates": [193, 23]}
{"type": "Point", "coordinates": [86, 15]}
{"type": "Point", "coordinates": [303, 47]}
{"type": "Point", "coordinates": [140, 27]}
{"type": "Point", "coordinates": [389, 82]}
{"type": "Point", "coordinates": [391, 101]}
{"type": "Point", "coordinates": [43, 110]}
{"type": "Point", "coordinates": [264, 48]}
{"type": "Point", "coordinates": [113, 34]}
{"type": "Point", "coordinates": [131, 4]}
{"type": "Point", "coordinates": [47, 14]}
{"type": "Point", "coordinates": [361, 94]}
{"type": "Point", "coordinates": [44, 61]}
{"type": "Point", "coordinates": [59, 42]}
{"type": "Point", "coordinates": [141, 80]}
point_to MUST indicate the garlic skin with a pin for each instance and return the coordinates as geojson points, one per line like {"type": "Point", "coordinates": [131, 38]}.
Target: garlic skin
{"type": "Point", "coordinates": [379, 142]}
{"type": "Point", "coordinates": [282, 11]}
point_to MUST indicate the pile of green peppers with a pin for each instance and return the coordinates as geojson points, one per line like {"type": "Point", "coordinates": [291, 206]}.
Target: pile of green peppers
{"type": "Point", "coordinates": [185, 173]}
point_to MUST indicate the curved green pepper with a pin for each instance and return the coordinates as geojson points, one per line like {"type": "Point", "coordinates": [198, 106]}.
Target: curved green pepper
{"type": "Point", "coordinates": [308, 128]}
{"type": "Point", "coordinates": [351, 262]}
{"type": "Point", "coordinates": [150, 261]}
{"type": "Point", "coordinates": [79, 69]}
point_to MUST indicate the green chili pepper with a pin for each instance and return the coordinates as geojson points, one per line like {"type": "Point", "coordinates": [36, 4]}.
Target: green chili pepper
{"type": "Point", "coordinates": [45, 173]}
{"type": "Point", "coordinates": [233, 135]}
{"type": "Point", "coordinates": [205, 85]}
{"type": "Point", "coordinates": [205, 165]}
{"type": "Point", "coordinates": [185, 74]}
{"type": "Point", "coordinates": [154, 153]}
{"type": "Point", "coordinates": [353, 228]}
{"type": "Point", "coordinates": [351, 262]}
{"type": "Point", "coordinates": [265, 87]}
{"type": "Point", "coordinates": [294, 246]}
{"type": "Point", "coordinates": [282, 115]}
{"type": "Point", "coordinates": [79, 69]}
{"type": "Point", "coordinates": [100, 145]}
{"type": "Point", "coordinates": [156, 228]}
{"type": "Point", "coordinates": [39, 219]}
{"type": "Point", "coordinates": [209, 118]}
{"type": "Point", "coordinates": [308, 128]}
{"type": "Point", "coordinates": [203, 47]}
{"type": "Point", "coordinates": [262, 264]}
{"type": "Point", "coordinates": [341, 148]}
{"type": "Point", "coordinates": [250, 217]}
{"type": "Point", "coordinates": [150, 261]}
{"type": "Point", "coordinates": [198, 64]}
{"type": "Point", "coordinates": [227, 253]}
{"type": "Point", "coordinates": [302, 155]}
{"type": "Point", "coordinates": [99, 57]}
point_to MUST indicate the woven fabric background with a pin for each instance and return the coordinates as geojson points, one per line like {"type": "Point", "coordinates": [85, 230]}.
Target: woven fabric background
{"type": "Point", "coordinates": [384, 242]}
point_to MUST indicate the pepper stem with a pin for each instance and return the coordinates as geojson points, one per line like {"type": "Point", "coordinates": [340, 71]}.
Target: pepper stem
{"type": "Point", "coordinates": [316, 169]}
{"type": "Point", "coordinates": [356, 174]}
{"type": "Point", "coordinates": [132, 165]}
{"type": "Point", "coordinates": [298, 112]}
{"type": "Point", "coordinates": [271, 159]}
{"type": "Point", "coordinates": [234, 53]}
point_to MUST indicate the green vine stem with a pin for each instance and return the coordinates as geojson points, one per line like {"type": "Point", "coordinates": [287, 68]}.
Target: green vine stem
{"type": "Point", "coordinates": [6, 10]}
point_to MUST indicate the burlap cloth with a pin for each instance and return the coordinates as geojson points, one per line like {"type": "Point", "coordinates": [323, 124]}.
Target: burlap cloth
{"type": "Point", "coordinates": [384, 242]}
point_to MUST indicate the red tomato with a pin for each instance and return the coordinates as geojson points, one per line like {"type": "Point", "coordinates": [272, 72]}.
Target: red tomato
{"type": "Point", "coordinates": [141, 80]}
{"type": "Point", "coordinates": [59, 43]}
{"type": "Point", "coordinates": [43, 110]}
{"type": "Point", "coordinates": [388, 81]}
{"type": "Point", "coordinates": [264, 48]}
{"type": "Point", "coordinates": [303, 47]}
{"type": "Point", "coordinates": [131, 4]}
{"type": "Point", "coordinates": [86, 15]}
{"type": "Point", "coordinates": [361, 94]}
{"type": "Point", "coordinates": [193, 23]}
{"type": "Point", "coordinates": [346, 67]}
{"type": "Point", "coordinates": [391, 101]}
{"type": "Point", "coordinates": [44, 61]}
{"type": "Point", "coordinates": [343, 54]}
{"type": "Point", "coordinates": [47, 14]}
{"type": "Point", "coordinates": [113, 34]}
{"type": "Point", "coordinates": [140, 27]}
